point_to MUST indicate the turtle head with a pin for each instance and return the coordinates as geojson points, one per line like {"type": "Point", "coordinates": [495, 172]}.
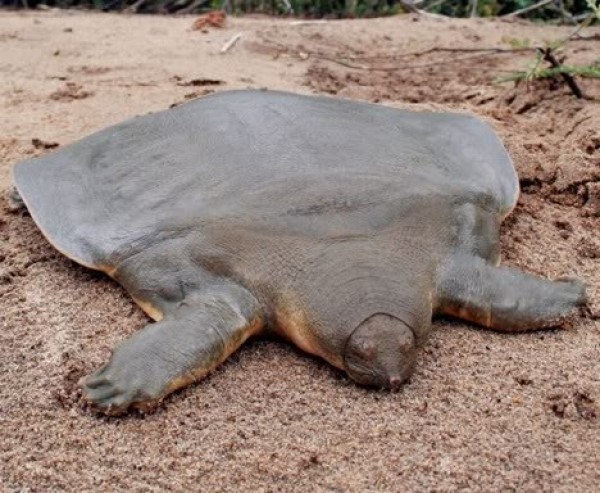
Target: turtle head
{"type": "Point", "coordinates": [380, 352]}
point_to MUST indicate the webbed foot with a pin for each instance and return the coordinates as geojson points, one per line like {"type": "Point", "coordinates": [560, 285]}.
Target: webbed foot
{"type": "Point", "coordinates": [506, 299]}
{"type": "Point", "coordinates": [134, 377]}
{"type": "Point", "coordinates": [174, 352]}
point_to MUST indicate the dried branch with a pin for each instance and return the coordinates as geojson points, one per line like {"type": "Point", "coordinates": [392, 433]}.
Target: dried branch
{"type": "Point", "coordinates": [443, 49]}
{"type": "Point", "coordinates": [409, 7]}
{"type": "Point", "coordinates": [476, 53]}
{"type": "Point", "coordinates": [591, 37]}
{"type": "Point", "coordinates": [308, 22]}
{"type": "Point", "coordinates": [231, 43]}
{"type": "Point", "coordinates": [568, 78]}
{"type": "Point", "coordinates": [535, 6]}
{"type": "Point", "coordinates": [288, 7]}
{"type": "Point", "coordinates": [566, 15]}
{"type": "Point", "coordinates": [474, 5]}
{"type": "Point", "coordinates": [191, 7]}
{"type": "Point", "coordinates": [433, 5]}
{"type": "Point", "coordinates": [132, 9]}
{"type": "Point", "coordinates": [582, 71]}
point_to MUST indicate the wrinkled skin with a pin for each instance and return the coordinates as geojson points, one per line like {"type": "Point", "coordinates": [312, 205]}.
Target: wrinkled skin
{"type": "Point", "coordinates": [343, 227]}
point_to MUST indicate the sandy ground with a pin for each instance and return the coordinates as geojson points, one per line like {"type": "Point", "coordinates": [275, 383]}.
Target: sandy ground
{"type": "Point", "coordinates": [484, 411]}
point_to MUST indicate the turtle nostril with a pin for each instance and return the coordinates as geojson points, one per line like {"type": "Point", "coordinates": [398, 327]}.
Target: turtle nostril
{"type": "Point", "coordinates": [395, 382]}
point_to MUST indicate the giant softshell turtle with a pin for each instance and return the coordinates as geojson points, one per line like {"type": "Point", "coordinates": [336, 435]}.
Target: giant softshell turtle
{"type": "Point", "coordinates": [342, 226]}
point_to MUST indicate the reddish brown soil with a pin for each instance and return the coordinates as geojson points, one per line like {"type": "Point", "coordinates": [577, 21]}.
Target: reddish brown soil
{"type": "Point", "coordinates": [484, 411]}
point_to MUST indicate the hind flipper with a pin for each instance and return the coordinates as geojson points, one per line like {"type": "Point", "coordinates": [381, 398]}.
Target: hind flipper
{"type": "Point", "coordinates": [504, 298]}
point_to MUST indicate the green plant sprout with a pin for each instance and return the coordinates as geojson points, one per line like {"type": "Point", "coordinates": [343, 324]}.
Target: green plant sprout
{"type": "Point", "coordinates": [536, 71]}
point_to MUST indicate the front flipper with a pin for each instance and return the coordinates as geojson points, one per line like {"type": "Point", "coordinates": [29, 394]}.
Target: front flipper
{"type": "Point", "coordinates": [503, 298]}
{"type": "Point", "coordinates": [180, 349]}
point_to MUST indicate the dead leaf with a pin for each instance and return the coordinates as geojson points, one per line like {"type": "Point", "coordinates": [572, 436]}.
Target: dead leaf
{"type": "Point", "coordinates": [216, 18]}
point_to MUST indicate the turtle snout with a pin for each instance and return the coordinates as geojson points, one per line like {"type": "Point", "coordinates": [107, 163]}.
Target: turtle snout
{"type": "Point", "coordinates": [381, 352]}
{"type": "Point", "coordinates": [395, 382]}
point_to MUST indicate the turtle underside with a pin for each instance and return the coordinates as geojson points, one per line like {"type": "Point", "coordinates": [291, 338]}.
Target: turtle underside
{"type": "Point", "coordinates": [342, 226]}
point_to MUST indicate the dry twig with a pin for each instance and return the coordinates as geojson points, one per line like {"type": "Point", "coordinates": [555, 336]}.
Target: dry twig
{"type": "Point", "coordinates": [476, 53]}
{"type": "Point", "coordinates": [568, 78]}
{"type": "Point", "coordinates": [231, 43]}
{"type": "Point", "coordinates": [474, 6]}
{"type": "Point", "coordinates": [191, 7]}
{"type": "Point", "coordinates": [535, 6]}
{"type": "Point", "coordinates": [308, 22]}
